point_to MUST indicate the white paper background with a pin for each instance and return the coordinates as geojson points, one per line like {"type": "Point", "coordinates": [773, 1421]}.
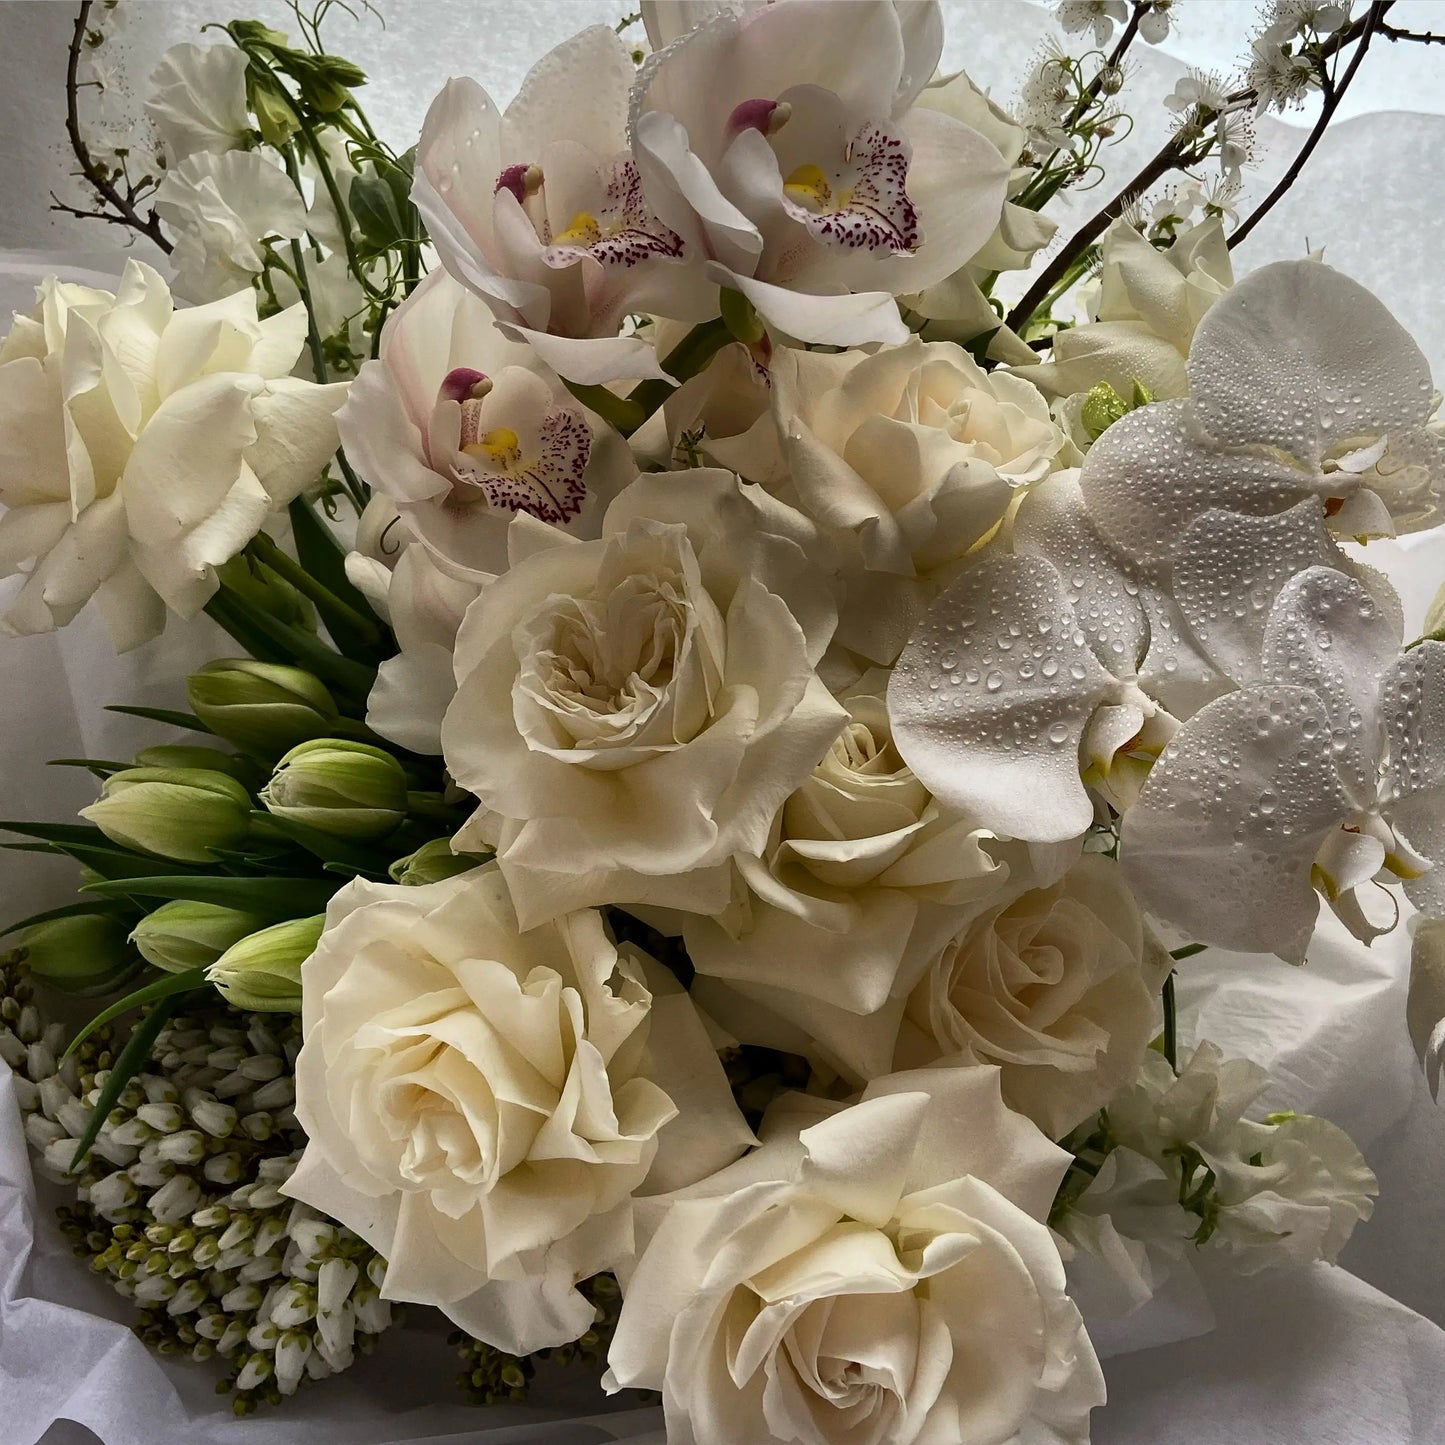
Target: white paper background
{"type": "Point", "coordinates": [1324, 1357]}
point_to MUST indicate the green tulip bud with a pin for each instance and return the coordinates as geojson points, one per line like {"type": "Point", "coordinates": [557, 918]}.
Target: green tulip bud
{"type": "Point", "coordinates": [84, 954]}
{"type": "Point", "coordinates": [261, 707]}
{"type": "Point", "coordinates": [350, 790]}
{"type": "Point", "coordinates": [431, 863]}
{"type": "Point", "coordinates": [183, 935]}
{"type": "Point", "coordinates": [263, 971]}
{"type": "Point", "coordinates": [181, 813]}
{"type": "Point", "coordinates": [183, 755]}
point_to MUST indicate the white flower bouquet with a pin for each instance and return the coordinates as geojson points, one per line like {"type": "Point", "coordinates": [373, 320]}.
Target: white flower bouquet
{"type": "Point", "coordinates": [759, 658]}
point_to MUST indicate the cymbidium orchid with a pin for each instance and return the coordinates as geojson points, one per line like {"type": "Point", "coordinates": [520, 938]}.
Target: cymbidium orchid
{"type": "Point", "coordinates": [540, 210]}
{"type": "Point", "coordinates": [812, 182]}
{"type": "Point", "coordinates": [1301, 384]}
{"type": "Point", "coordinates": [463, 429]}
{"type": "Point", "coordinates": [1325, 774]}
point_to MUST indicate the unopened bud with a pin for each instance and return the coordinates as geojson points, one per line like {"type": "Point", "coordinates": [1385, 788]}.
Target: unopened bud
{"type": "Point", "coordinates": [432, 863]}
{"type": "Point", "coordinates": [181, 813]}
{"type": "Point", "coordinates": [84, 954]}
{"type": "Point", "coordinates": [263, 971]}
{"type": "Point", "coordinates": [262, 707]}
{"type": "Point", "coordinates": [347, 789]}
{"type": "Point", "coordinates": [183, 935]}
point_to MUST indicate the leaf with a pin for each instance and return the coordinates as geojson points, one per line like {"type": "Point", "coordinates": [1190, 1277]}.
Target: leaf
{"type": "Point", "coordinates": [173, 983]}
{"type": "Point", "coordinates": [132, 1057]}
{"type": "Point", "coordinates": [164, 715]}
{"type": "Point", "coordinates": [69, 910]}
{"type": "Point", "coordinates": [108, 862]}
{"type": "Point", "coordinates": [377, 215]}
{"type": "Point", "coordinates": [323, 557]}
{"type": "Point", "coordinates": [101, 767]}
{"type": "Point", "coordinates": [331, 849]}
{"type": "Point", "coordinates": [272, 898]}
{"type": "Point", "coordinates": [63, 833]}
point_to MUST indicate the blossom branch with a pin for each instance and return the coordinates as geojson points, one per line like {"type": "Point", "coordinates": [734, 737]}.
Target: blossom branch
{"type": "Point", "coordinates": [1182, 150]}
{"type": "Point", "coordinates": [94, 174]}
{"type": "Point", "coordinates": [1423, 37]}
{"type": "Point", "coordinates": [1334, 93]}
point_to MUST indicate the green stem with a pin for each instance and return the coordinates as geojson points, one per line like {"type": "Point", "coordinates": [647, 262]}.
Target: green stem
{"type": "Point", "coordinates": [327, 602]}
{"type": "Point", "coordinates": [1171, 1024]}
{"type": "Point", "coordinates": [1438, 635]}
{"type": "Point", "coordinates": [620, 412]}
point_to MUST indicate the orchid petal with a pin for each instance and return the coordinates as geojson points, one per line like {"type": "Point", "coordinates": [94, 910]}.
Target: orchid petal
{"type": "Point", "coordinates": [1425, 1010]}
{"type": "Point", "coordinates": [1223, 838]}
{"type": "Point", "coordinates": [990, 699]}
{"type": "Point", "coordinates": [1412, 704]}
{"type": "Point", "coordinates": [850, 319]}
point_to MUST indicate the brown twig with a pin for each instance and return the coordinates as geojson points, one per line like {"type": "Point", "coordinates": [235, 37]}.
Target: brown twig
{"type": "Point", "coordinates": [1178, 153]}
{"type": "Point", "coordinates": [1424, 37]}
{"type": "Point", "coordinates": [123, 204]}
{"type": "Point", "coordinates": [1373, 19]}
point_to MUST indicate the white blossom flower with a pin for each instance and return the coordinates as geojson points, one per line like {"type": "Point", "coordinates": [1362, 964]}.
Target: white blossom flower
{"type": "Point", "coordinates": [1099, 17]}
{"type": "Point", "coordinates": [222, 209]}
{"type": "Point", "coordinates": [142, 447]}
{"type": "Point", "coordinates": [632, 711]}
{"type": "Point", "coordinates": [874, 1272]}
{"type": "Point", "coordinates": [541, 211]}
{"type": "Point", "coordinates": [1057, 985]}
{"type": "Point", "coordinates": [463, 429]}
{"type": "Point", "coordinates": [1280, 76]}
{"type": "Point", "coordinates": [198, 100]}
{"type": "Point", "coordinates": [481, 1104]}
{"type": "Point", "coordinates": [814, 184]}
{"type": "Point", "coordinates": [1322, 776]}
{"type": "Point", "coordinates": [908, 458]}
{"type": "Point", "coordinates": [1154, 22]}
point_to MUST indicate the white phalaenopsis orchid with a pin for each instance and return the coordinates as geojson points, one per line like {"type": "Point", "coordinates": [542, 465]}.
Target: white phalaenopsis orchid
{"type": "Point", "coordinates": [1425, 1011]}
{"type": "Point", "coordinates": [1327, 772]}
{"type": "Point", "coordinates": [540, 211]}
{"type": "Point", "coordinates": [1301, 384]}
{"type": "Point", "coordinates": [463, 428]}
{"type": "Point", "coordinates": [785, 146]}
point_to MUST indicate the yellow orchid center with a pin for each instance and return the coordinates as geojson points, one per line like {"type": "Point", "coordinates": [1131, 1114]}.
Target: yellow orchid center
{"type": "Point", "coordinates": [500, 445]}
{"type": "Point", "coordinates": [808, 185]}
{"type": "Point", "coordinates": [584, 230]}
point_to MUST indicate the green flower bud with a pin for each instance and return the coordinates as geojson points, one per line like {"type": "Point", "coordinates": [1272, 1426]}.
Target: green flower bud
{"type": "Point", "coordinates": [85, 954]}
{"type": "Point", "coordinates": [1103, 406]}
{"type": "Point", "coordinates": [431, 863]}
{"type": "Point", "coordinates": [183, 935]}
{"type": "Point", "coordinates": [180, 813]}
{"type": "Point", "coordinates": [183, 755]}
{"type": "Point", "coordinates": [350, 790]}
{"type": "Point", "coordinates": [263, 590]}
{"type": "Point", "coordinates": [261, 707]}
{"type": "Point", "coordinates": [263, 971]}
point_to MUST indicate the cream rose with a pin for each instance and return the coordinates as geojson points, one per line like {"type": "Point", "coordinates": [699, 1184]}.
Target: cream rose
{"type": "Point", "coordinates": [463, 429]}
{"type": "Point", "coordinates": [481, 1104]}
{"type": "Point", "coordinates": [879, 1273]}
{"type": "Point", "coordinates": [908, 457]}
{"type": "Point", "coordinates": [1059, 987]}
{"type": "Point", "coordinates": [631, 712]}
{"type": "Point", "coordinates": [141, 447]}
{"type": "Point", "coordinates": [863, 879]}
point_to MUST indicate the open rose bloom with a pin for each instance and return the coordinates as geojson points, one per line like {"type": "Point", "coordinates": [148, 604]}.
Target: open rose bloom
{"type": "Point", "coordinates": [749, 713]}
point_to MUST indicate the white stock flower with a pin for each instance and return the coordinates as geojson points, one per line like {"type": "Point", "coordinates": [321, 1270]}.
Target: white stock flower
{"type": "Point", "coordinates": [463, 428]}
{"type": "Point", "coordinates": [198, 100]}
{"type": "Point", "coordinates": [786, 147]}
{"type": "Point", "coordinates": [1301, 385]}
{"type": "Point", "coordinates": [221, 209]}
{"type": "Point", "coordinates": [1425, 1010]}
{"type": "Point", "coordinates": [1147, 307]}
{"type": "Point", "coordinates": [481, 1104]}
{"type": "Point", "coordinates": [632, 711]}
{"type": "Point", "coordinates": [909, 458]}
{"type": "Point", "coordinates": [878, 1272]}
{"type": "Point", "coordinates": [862, 879]}
{"type": "Point", "coordinates": [1058, 986]}
{"type": "Point", "coordinates": [540, 210]}
{"type": "Point", "coordinates": [1327, 773]}
{"type": "Point", "coordinates": [142, 447]}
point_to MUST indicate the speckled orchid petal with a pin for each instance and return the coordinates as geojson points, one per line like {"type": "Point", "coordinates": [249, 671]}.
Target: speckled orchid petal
{"type": "Point", "coordinates": [991, 697]}
{"type": "Point", "coordinates": [1328, 634]}
{"type": "Point", "coordinates": [1223, 838]}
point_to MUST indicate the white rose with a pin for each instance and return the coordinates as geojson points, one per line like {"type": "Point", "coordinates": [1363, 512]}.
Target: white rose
{"type": "Point", "coordinates": [481, 1104]}
{"type": "Point", "coordinates": [879, 1272]}
{"type": "Point", "coordinates": [632, 711]}
{"type": "Point", "coordinates": [142, 447]}
{"type": "Point", "coordinates": [221, 208]}
{"type": "Point", "coordinates": [863, 878]}
{"type": "Point", "coordinates": [463, 429]}
{"type": "Point", "coordinates": [198, 100]}
{"type": "Point", "coordinates": [1060, 987]}
{"type": "Point", "coordinates": [1149, 303]}
{"type": "Point", "coordinates": [910, 457]}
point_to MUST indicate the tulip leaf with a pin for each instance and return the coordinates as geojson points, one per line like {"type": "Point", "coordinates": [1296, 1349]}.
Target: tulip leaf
{"type": "Point", "coordinates": [132, 1057]}
{"type": "Point", "coordinates": [101, 767]}
{"type": "Point", "coordinates": [331, 849]}
{"type": "Point", "coordinates": [163, 715]}
{"type": "Point", "coordinates": [69, 910]}
{"type": "Point", "coordinates": [190, 981]}
{"type": "Point", "coordinates": [272, 898]}
{"type": "Point", "coordinates": [322, 556]}
{"type": "Point", "coordinates": [63, 834]}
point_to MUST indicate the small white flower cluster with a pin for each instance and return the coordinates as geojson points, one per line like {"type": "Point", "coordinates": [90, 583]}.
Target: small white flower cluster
{"type": "Point", "coordinates": [1280, 70]}
{"type": "Point", "coordinates": [180, 1201]}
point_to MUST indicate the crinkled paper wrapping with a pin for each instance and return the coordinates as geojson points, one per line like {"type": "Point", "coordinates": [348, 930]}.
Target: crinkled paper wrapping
{"type": "Point", "coordinates": [1330, 1356]}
